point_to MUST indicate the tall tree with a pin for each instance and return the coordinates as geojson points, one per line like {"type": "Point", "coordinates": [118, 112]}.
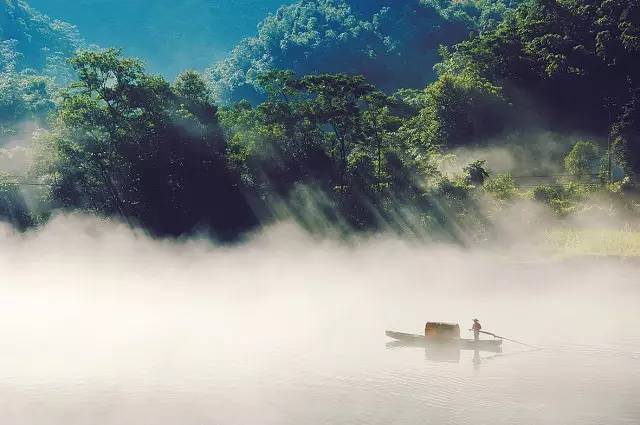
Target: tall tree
{"type": "Point", "coordinates": [130, 144]}
{"type": "Point", "coordinates": [567, 65]}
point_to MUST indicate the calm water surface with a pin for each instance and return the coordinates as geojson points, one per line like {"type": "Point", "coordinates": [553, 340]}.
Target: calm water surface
{"type": "Point", "coordinates": [232, 338]}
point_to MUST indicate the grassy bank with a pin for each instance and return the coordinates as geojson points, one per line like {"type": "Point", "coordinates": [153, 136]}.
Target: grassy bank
{"type": "Point", "coordinates": [607, 242]}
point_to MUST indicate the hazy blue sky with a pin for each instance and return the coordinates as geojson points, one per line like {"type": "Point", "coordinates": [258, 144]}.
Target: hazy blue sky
{"type": "Point", "coordinates": [170, 35]}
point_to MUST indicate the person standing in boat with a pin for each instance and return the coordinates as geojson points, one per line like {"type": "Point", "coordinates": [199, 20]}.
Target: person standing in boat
{"type": "Point", "coordinates": [476, 328]}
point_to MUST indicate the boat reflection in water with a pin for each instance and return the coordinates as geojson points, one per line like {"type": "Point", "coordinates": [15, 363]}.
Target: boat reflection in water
{"type": "Point", "coordinates": [444, 348]}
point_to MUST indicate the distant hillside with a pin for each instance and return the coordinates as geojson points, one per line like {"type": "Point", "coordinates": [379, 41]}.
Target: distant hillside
{"type": "Point", "coordinates": [31, 40]}
{"type": "Point", "coordinates": [169, 35]}
{"type": "Point", "coordinates": [393, 43]}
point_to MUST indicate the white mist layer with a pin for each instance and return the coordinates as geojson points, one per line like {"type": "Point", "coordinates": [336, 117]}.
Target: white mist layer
{"type": "Point", "coordinates": [104, 326]}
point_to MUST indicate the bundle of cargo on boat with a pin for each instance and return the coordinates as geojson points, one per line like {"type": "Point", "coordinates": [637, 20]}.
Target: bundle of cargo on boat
{"type": "Point", "coordinates": [442, 330]}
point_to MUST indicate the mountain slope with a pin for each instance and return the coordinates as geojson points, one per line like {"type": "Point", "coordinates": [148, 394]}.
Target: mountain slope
{"type": "Point", "coordinates": [31, 40]}
{"type": "Point", "coordinates": [393, 44]}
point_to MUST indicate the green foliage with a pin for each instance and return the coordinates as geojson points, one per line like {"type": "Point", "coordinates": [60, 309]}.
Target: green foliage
{"type": "Point", "coordinates": [620, 187]}
{"type": "Point", "coordinates": [334, 132]}
{"type": "Point", "coordinates": [13, 208]}
{"type": "Point", "coordinates": [130, 144]}
{"type": "Point", "coordinates": [275, 147]}
{"type": "Point", "coordinates": [392, 45]}
{"type": "Point", "coordinates": [338, 134]}
{"type": "Point", "coordinates": [33, 53]}
{"type": "Point", "coordinates": [30, 40]}
{"type": "Point", "coordinates": [575, 64]}
{"type": "Point", "coordinates": [502, 187]}
{"type": "Point", "coordinates": [476, 173]}
{"type": "Point", "coordinates": [454, 111]}
{"type": "Point", "coordinates": [626, 135]}
{"type": "Point", "coordinates": [583, 160]}
{"type": "Point", "coordinates": [24, 99]}
{"type": "Point", "coordinates": [561, 198]}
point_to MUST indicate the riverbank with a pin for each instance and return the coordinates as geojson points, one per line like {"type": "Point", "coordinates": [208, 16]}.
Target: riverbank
{"type": "Point", "coordinates": [601, 243]}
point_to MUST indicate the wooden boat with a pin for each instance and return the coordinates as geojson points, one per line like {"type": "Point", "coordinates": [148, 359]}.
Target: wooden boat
{"type": "Point", "coordinates": [493, 345]}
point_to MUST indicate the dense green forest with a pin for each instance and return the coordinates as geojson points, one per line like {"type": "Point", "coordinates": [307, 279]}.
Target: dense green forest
{"type": "Point", "coordinates": [31, 40]}
{"type": "Point", "coordinates": [342, 116]}
{"type": "Point", "coordinates": [34, 51]}
{"type": "Point", "coordinates": [392, 44]}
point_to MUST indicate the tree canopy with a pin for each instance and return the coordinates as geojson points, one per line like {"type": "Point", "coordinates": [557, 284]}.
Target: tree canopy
{"type": "Point", "coordinates": [31, 40]}
{"type": "Point", "coordinates": [392, 44]}
{"type": "Point", "coordinates": [572, 64]}
{"type": "Point", "coordinates": [130, 144]}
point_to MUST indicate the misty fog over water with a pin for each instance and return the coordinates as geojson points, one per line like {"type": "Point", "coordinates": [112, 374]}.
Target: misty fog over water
{"type": "Point", "coordinates": [245, 211]}
{"type": "Point", "coordinates": [104, 326]}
